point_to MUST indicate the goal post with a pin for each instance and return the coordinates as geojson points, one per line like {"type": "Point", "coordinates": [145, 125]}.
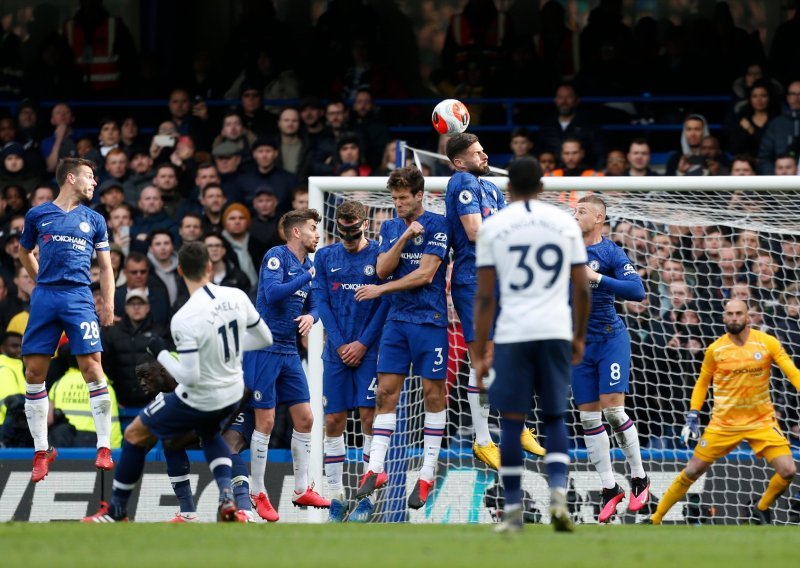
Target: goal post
{"type": "Point", "coordinates": [658, 220]}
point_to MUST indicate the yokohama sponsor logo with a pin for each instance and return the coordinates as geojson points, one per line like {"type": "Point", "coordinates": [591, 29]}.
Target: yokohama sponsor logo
{"type": "Point", "coordinates": [346, 286]}
{"type": "Point", "coordinates": [69, 239]}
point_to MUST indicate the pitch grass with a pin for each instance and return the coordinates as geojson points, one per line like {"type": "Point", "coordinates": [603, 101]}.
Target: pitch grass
{"type": "Point", "coordinates": [31, 545]}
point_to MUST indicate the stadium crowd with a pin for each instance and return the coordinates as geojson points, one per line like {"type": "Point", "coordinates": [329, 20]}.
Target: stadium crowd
{"type": "Point", "coordinates": [226, 175]}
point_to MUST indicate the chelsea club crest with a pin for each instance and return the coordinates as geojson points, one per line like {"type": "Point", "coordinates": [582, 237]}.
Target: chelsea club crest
{"type": "Point", "coordinates": [594, 265]}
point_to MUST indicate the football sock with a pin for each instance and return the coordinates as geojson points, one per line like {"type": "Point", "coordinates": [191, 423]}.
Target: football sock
{"type": "Point", "coordinates": [178, 471]}
{"type": "Point", "coordinates": [435, 423]}
{"type": "Point", "coordinates": [599, 446]}
{"type": "Point", "coordinates": [301, 454]}
{"type": "Point", "coordinates": [334, 465]}
{"type": "Point", "coordinates": [382, 430]}
{"type": "Point", "coordinates": [100, 402]}
{"type": "Point", "coordinates": [627, 437]}
{"type": "Point", "coordinates": [556, 459]}
{"type": "Point", "coordinates": [36, 407]}
{"type": "Point", "coordinates": [676, 491]}
{"type": "Point", "coordinates": [777, 485]}
{"type": "Point", "coordinates": [259, 446]}
{"type": "Point", "coordinates": [480, 416]}
{"type": "Point", "coordinates": [365, 453]}
{"type": "Point", "coordinates": [128, 471]}
{"type": "Point", "coordinates": [511, 461]}
{"type": "Point", "coordinates": [240, 482]}
{"type": "Point", "coordinates": [218, 456]}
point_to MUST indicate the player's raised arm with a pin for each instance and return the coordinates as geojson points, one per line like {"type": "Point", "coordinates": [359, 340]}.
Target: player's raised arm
{"type": "Point", "coordinates": [106, 314]}
{"type": "Point", "coordinates": [782, 359]}
{"type": "Point", "coordinates": [485, 309]}
{"type": "Point", "coordinates": [392, 246]}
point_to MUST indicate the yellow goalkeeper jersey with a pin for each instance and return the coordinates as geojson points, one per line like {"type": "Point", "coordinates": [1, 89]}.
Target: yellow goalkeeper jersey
{"type": "Point", "coordinates": [740, 377]}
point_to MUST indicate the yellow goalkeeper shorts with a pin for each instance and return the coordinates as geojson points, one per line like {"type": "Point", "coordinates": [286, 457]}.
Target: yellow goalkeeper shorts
{"type": "Point", "coordinates": [767, 442]}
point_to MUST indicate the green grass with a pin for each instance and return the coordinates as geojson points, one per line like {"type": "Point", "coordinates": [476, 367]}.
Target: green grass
{"type": "Point", "coordinates": [30, 545]}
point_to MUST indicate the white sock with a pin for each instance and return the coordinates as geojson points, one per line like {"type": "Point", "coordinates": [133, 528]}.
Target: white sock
{"type": "Point", "coordinates": [301, 454]}
{"type": "Point", "coordinates": [365, 453]}
{"type": "Point", "coordinates": [259, 446]}
{"type": "Point", "coordinates": [435, 423]}
{"type": "Point", "coordinates": [382, 430]}
{"type": "Point", "coordinates": [480, 414]}
{"type": "Point", "coordinates": [598, 446]}
{"type": "Point", "coordinates": [100, 401]}
{"type": "Point", "coordinates": [335, 451]}
{"type": "Point", "coordinates": [627, 437]}
{"type": "Point", "coordinates": [36, 407]}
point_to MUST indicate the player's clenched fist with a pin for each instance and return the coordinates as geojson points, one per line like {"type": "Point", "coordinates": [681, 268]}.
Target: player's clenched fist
{"type": "Point", "coordinates": [369, 292]}
{"type": "Point", "coordinates": [414, 230]}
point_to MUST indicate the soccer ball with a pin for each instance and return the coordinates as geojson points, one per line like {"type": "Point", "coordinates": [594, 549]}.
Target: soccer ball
{"type": "Point", "coordinates": [450, 117]}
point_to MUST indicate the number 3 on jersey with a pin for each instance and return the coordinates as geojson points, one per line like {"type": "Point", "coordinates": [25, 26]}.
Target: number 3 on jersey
{"type": "Point", "coordinates": [549, 258]}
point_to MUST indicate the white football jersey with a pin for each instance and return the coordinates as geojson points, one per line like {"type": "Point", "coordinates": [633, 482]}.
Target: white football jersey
{"type": "Point", "coordinates": [532, 246]}
{"type": "Point", "coordinates": [213, 323]}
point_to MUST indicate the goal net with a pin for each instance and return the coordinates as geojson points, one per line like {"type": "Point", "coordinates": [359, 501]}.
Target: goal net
{"type": "Point", "coordinates": [696, 242]}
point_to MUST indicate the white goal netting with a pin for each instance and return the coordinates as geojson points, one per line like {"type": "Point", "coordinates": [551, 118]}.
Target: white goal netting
{"type": "Point", "coordinates": [695, 243]}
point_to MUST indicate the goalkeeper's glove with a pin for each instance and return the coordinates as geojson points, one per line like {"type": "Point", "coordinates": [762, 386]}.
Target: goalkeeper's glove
{"type": "Point", "coordinates": [692, 428]}
{"type": "Point", "coordinates": [156, 345]}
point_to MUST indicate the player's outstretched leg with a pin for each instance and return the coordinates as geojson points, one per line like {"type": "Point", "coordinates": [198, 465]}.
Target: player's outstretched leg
{"type": "Point", "coordinates": [557, 467]}
{"type": "Point", "coordinates": [529, 442]}
{"type": "Point", "coordinates": [676, 491]}
{"type": "Point", "coordinates": [363, 511]}
{"type": "Point", "coordinates": [435, 424]}
{"type": "Point", "coordinates": [627, 437]}
{"type": "Point", "coordinates": [240, 484]}
{"type": "Point", "coordinates": [375, 478]}
{"type": "Point", "coordinates": [259, 450]}
{"type": "Point", "coordinates": [483, 448]}
{"type": "Point", "coordinates": [36, 409]}
{"type": "Point", "coordinates": [335, 451]}
{"type": "Point", "coordinates": [304, 494]}
{"type": "Point", "coordinates": [511, 474]}
{"type": "Point", "coordinates": [178, 471]}
{"type": "Point", "coordinates": [218, 456]}
{"type": "Point", "coordinates": [100, 403]}
{"type": "Point", "coordinates": [127, 475]}
{"type": "Point", "coordinates": [598, 446]}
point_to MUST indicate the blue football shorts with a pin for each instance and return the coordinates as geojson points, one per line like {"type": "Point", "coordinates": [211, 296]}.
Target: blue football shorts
{"type": "Point", "coordinates": [167, 416]}
{"type": "Point", "coordinates": [421, 345]}
{"type": "Point", "coordinates": [605, 369]}
{"type": "Point", "coordinates": [62, 308]}
{"type": "Point", "coordinates": [346, 387]}
{"type": "Point", "coordinates": [275, 378]}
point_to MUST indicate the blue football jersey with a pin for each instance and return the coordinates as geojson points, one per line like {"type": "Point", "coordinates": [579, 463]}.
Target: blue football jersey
{"type": "Point", "coordinates": [284, 290]}
{"type": "Point", "coordinates": [339, 275]}
{"type": "Point", "coordinates": [426, 304]}
{"type": "Point", "coordinates": [466, 195]}
{"type": "Point", "coordinates": [66, 242]}
{"type": "Point", "coordinates": [608, 259]}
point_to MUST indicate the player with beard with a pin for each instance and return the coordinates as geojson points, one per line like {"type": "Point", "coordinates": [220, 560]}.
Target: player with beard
{"type": "Point", "coordinates": [739, 365]}
{"type": "Point", "coordinates": [469, 200]}
{"type": "Point", "coordinates": [67, 233]}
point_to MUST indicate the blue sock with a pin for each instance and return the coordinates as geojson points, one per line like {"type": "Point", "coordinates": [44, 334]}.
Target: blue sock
{"type": "Point", "coordinates": [128, 472]}
{"type": "Point", "coordinates": [178, 472]}
{"type": "Point", "coordinates": [218, 456]}
{"type": "Point", "coordinates": [511, 460]}
{"type": "Point", "coordinates": [557, 445]}
{"type": "Point", "coordinates": [241, 483]}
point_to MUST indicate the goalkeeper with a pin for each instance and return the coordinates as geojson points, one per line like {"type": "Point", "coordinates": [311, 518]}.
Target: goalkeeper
{"type": "Point", "coordinates": [738, 364]}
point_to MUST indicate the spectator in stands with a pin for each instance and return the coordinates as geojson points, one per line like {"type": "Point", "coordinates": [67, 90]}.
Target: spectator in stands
{"type": "Point", "coordinates": [213, 203]}
{"type": "Point", "coordinates": [164, 260]}
{"type": "Point", "coordinates": [715, 161]}
{"type": "Point", "coordinates": [141, 174]}
{"type": "Point", "coordinates": [765, 287]}
{"type": "Point", "coordinates": [138, 276]}
{"type": "Point", "coordinates": [224, 272]}
{"type": "Point", "coordinates": [12, 375]}
{"type": "Point", "coordinates": [521, 143]}
{"type": "Point", "coordinates": [183, 158]}
{"type": "Point", "coordinates": [21, 301]}
{"type": "Point", "coordinates": [117, 263]}
{"type": "Point", "coordinates": [389, 161]}
{"type": "Point", "coordinates": [294, 154]}
{"type": "Point", "coordinates": [191, 228]}
{"type": "Point", "coordinates": [163, 142]}
{"type": "Point", "coordinates": [227, 161]}
{"type": "Point", "coordinates": [572, 159]}
{"type": "Point", "coordinates": [300, 197]}
{"type": "Point", "coordinates": [251, 109]}
{"type": "Point", "coordinates": [125, 342]}
{"type": "Point", "coordinates": [61, 144]}
{"type": "Point", "coordinates": [267, 172]}
{"type": "Point", "coordinates": [129, 137]}
{"type": "Point", "coordinates": [569, 123]}
{"type": "Point", "coordinates": [42, 194]}
{"type": "Point", "coordinates": [151, 216]}
{"type": "Point", "coordinates": [548, 161]}
{"type": "Point", "coordinates": [166, 181]}
{"type": "Point", "coordinates": [264, 226]}
{"type": "Point", "coordinates": [349, 156]}
{"type": "Point", "coordinates": [639, 158]}
{"type": "Point", "coordinates": [236, 229]}
{"type": "Point", "coordinates": [265, 69]}
{"type": "Point", "coordinates": [120, 223]}
{"type": "Point", "coordinates": [9, 253]}
{"type": "Point", "coordinates": [781, 133]}
{"type": "Point", "coordinates": [753, 72]}
{"type": "Point", "coordinates": [743, 165]}
{"type": "Point", "coordinates": [115, 166]}
{"type": "Point", "coordinates": [15, 171]}
{"type": "Point", "coordinates": [789, 267]}
{"type": "Point", "coordinates": [785, 45]}
{"type": "Point", "coordinates": [746, 127]}
{"type": "Point", "coordinates": [233, 130]}
{"type": "Point", "coordinates": [312, 117]}
{"type": "Point", "coordinates": [108, 138]}
{"type": "Point", "coordinates": [190, 117]}
{"type": "Point", "coordinates": [373, 132]}
{"type": "Point", "coordinates": [785, 165]}
{"type": "Point", "coordinates": [324, 155]}
{"type": "Point", "coordinates": [111, 195]}
{"type": "Point", "coordinates": [749, 242]}
{"type": "Point", "coordinates": [616, 163]}
{"type": "Point", "coordinates": [672, 270]}
{"type": "Point", "coordinates": [688, 160]}
{"type": "Point", "coordinates": [729, 272]}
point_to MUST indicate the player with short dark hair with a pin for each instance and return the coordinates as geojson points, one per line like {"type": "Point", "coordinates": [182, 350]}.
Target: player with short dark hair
{"type": "Point", "coordinates": [210, 332]}
{"type": "Point", "coordinates": [351, 349]}
{"type": "Point", "coordinates": [600, 381]}
{"type": "Point", "coordinates": [738, 365]}
{"type": "Point", "coordinates": [67, 233]}
{"type": "Point", "coordinates": [470, 199]}
{"type": "Point", "coordinates": [413, 259]}
{"type": "Point", "coordinates": [537, 332]}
